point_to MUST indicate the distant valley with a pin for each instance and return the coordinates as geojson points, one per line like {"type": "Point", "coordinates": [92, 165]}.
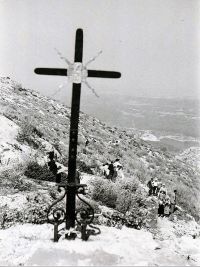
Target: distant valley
{"type": "Point", "coordinates": [173, 124]}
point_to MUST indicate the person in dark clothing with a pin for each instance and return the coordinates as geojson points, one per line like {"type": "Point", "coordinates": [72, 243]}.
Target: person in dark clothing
{"type": "Point", "coordinates": [111, 170]}
{"type": "Point", "coordinates": [53, 167]}
{"type": "Point", "coordinates": [150, 186]}
{"type": "Point", "coordinates": [161, 207]}
{"type": "Point", "coordinates": [87, 142]}
{"type": "Point", "coordinates": [161, 204]}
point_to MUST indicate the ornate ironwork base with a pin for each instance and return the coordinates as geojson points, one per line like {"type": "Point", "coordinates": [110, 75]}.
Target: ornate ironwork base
{"type": "Point", "coordinates": [57, 215]}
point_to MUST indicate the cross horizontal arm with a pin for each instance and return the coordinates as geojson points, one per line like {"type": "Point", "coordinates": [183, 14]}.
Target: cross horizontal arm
{"type": "Point", "coordinates": [103, 74]}
{"type": "Point", "coordinates": [51, 71]}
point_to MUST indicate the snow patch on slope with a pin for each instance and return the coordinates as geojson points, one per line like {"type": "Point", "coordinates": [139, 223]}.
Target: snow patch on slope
{"type": "Point", "coordinates": [148, 136]}
{"type": "Point", "coordinates": [8, 131]}
{"type": "Point", "coordinates": [11, 151]}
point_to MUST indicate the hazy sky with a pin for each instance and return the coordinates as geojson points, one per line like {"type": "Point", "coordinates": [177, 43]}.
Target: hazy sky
{"type": "Point", "coordinates": [153, 43]}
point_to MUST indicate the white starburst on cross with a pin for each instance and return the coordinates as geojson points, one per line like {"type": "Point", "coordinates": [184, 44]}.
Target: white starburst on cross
{"type": "Point", "coordinates": [77, 72]}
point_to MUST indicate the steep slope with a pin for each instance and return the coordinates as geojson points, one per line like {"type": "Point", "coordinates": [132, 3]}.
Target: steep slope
{"type": "Point", "coordinates": [42, 123]}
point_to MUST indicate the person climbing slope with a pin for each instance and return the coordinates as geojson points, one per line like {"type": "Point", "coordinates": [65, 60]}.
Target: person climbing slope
{"type": "Point", "coordinates": [161, 206]}
{"type": "Point", "coordinates": [105, 169]}
{"type": "Point", "coordinates": [87, 142]}
{"type": "Point", "coordinates": [159, 186]}
{"type": "Point", "coordinates": [111, 171]}
{"type": "Point", "coordinates": [155, 187]}
{"type": "Point", "coordinates": [150, 186]}
{"type": "Point", "coordinates": [161, 203]}
{"type": "Point", "coordinates": [118, 170]}
{"type": "Point", "coordinates": [167, 206]}
{"type": "Point", "coordinates": [56, 168]}
{"type": "Point", "coordinates": [173, 202]}
{"type": "Point", "coordinates": [163, 190]}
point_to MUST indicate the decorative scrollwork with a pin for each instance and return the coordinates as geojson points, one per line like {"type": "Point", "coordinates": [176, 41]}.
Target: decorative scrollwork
{"type": "Point", "coordinates": [59, 215]}
{"type": "Point", "coordinates": [56, 215]}
{"type": "Point", "coordinates": [84, 219]}
{"type": "Point", "coordinates": [86, 215]}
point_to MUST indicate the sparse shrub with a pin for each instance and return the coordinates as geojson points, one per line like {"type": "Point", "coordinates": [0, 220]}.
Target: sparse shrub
{"type": "Point", "coordinates": [83, 167]}
{"type": "Point", "coordinates": [14, 179]}
{"type": "Point", "coordinates": [187, 200]}
{"type": "Point", "coordinates": [35, 171]}
{"type": "Point", "coordinates": [127, 197]}
{"type": "Point", "coordinates": [142, 174]}
{"type": "Point", "coordinates": [131, 185]}
{"type": "Point", "coordinates": [35, 211]}
{"type": "Point", "coordinates": [104, 192]}
{"type": "Point", "coordinates": [133, 163]}
{"type": "Point", "coordinates": [125, 201]}
{"type": "Point", "coordinates": [10, 115]}
{"type": "Point", "coordinates": [18, 87]}
{"type": "Point", "coordinates": [122, 195]}
{"type": "Point", "coordinates": [58, 147]}
{"type": "Point", "coordinates": [27, 134]}
{"type": "Point", "coordinates": [163, 149]}
{"type": "Point", "coordinates": [141, 153]}
{"type": "Point", "coordinates": [152, 166]}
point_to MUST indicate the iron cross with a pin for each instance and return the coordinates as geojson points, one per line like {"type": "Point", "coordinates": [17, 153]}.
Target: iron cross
{"type": "Point", "coordinates": [77, 73]}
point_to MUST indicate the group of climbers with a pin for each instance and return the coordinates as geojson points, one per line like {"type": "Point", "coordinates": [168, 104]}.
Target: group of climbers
{"type": "Point", "coordinates": [113, 170]}
{"type": "Point", "coordinates": [166, 206]}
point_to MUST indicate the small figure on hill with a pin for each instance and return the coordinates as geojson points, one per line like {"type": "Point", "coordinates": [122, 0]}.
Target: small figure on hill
{"type": "Point", "coordinates": [161, 206]}
{"type": "Point", "coordinates": [117, 169]}
{"type": "Point", "coordinates": [163, 190]}
{"type": "Point", "coordinates": [150, 186]}
{"type": "Point", "coordinates": [155, 187]}
{"type": "Point", "coordinates": [161, 203]}
{"type": "Point", "coordinates": [53, 167]}
{"type": "Point", "coordinates": [87, 142]}
{"type": "Point", "coordinates": [111, 170]}
{"type": "Point", "coordinates": [105, 170]}
{"type": "Point", "coordinates": [117, 164]}
{"type": "Point", "coordinates": [167, 206]}
{"type": "Point", "coordinates": [159, 186]}
{"type": "Point", "coordinates": [173, 201]}
{"type": "Point", "coordinates": [52, 164]}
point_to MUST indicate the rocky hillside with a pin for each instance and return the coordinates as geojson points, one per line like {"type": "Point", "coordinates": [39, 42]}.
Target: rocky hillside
{"type": "Point", "coordinates": [32, 124]}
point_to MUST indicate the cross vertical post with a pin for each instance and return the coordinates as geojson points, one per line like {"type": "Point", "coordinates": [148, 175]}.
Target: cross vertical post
{"type": "Point", "coordinates": [77, 73]}
{"type": "Point", "coordinates": [75, 108]}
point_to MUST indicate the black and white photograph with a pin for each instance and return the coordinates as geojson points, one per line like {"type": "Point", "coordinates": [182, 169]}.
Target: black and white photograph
{"type": "Point", "coordinates": [99, 133]}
